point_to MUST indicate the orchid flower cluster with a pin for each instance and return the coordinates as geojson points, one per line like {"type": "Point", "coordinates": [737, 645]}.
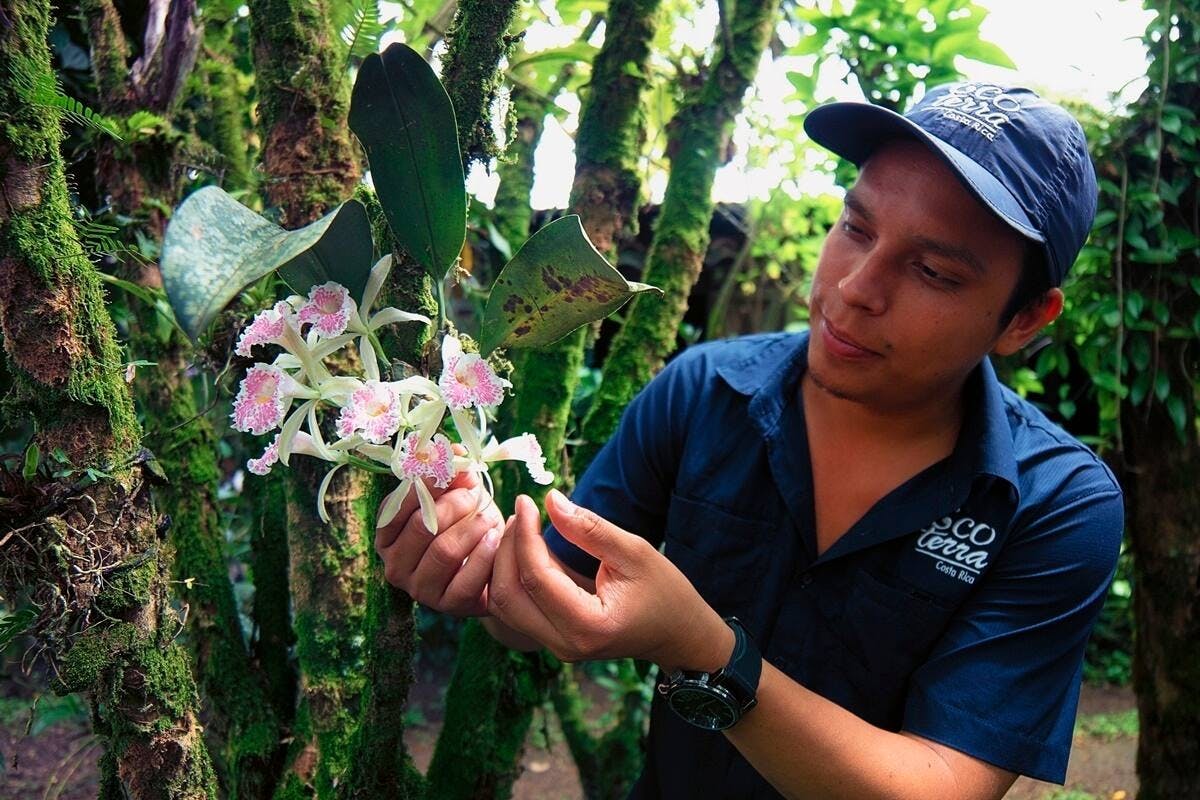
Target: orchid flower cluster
{"type": "Point", "coordinates": [382, 425]}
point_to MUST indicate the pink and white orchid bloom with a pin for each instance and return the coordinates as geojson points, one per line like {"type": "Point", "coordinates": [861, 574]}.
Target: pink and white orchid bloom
{"type": "Point", "coordinates": [523, 448]}
{"type": "Point", "coordinates": [467, 379]}
{"type": "Point", "coordinates": [375, 410]}
{"type": "Point", "coordinates": [266, 328]}
{"type": "Point", "coordinates": [301, 443]}
{"type": "Point", "coordinates": [264, 397]}
{"type": "Point", "coordinates": [329, 309]}
{"type": "Point", "coordinates": [415, 460]}
{"type": "Point", "coordinates": [262, 465]}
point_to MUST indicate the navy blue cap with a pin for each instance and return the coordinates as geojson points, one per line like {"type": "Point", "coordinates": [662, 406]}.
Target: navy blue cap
{"type": "Point", "coordinates": [1025, 158]}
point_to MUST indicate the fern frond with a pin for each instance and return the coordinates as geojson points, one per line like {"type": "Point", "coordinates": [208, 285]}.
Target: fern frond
{"type": "Point", "coordinates": [362, 33]}
{"type": "Point", "coordinates": [48, 94]}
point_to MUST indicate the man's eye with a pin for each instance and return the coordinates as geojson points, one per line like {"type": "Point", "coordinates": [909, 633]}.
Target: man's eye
{"type": "Point", "coordinates": [849, 227]}
{"type": "Point", "coordinates": [933, 275]}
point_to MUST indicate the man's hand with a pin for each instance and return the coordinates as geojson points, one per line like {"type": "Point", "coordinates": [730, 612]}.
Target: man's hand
{"type": "Point", "coordinates": [431, 568]}
{"type": "Point", "coordinates": [643, 606]}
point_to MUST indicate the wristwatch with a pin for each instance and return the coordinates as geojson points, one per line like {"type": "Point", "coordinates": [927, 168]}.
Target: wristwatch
{"type": "Point", "coordinates": [717, 700]}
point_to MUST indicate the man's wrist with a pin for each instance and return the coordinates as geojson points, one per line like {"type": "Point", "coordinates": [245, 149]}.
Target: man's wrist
{"type": "Point", "coordinates": [707, 649]}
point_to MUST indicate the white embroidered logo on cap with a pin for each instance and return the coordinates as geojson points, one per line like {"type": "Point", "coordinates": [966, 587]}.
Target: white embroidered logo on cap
{"type": "Point", "coordinates": [982, 107]}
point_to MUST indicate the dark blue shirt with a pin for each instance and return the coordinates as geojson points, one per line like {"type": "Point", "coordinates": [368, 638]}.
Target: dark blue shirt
{"type": "Point", "coordinates": [957, 608]}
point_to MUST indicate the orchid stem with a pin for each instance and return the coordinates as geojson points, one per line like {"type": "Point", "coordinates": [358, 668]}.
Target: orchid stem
{"type": "Point", "coordinates": [370, 466]}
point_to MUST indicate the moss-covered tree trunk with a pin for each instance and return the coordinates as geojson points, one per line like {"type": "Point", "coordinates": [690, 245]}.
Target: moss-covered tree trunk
{"type": "Point", "coordinates": [311, 165]}
{"type": "Point", "coordinates": [1162, 501]}
{"type": "Point", "coordinates": [475, 43]}
{"type": "Point", "coordinates": [1163, 508]}
{"type": "Point", "coordinates": [697, 141]}
{"type": "Point", "coordinates": [240, 727]}
{"type": "Point", "coordinates": [382, 768]}
{"type": "Point", "coordinates": [133, 172]}
{"type": "Point", "coordinates": [88, 550]}
{"type": "Point", "coordinates": [309, 157]}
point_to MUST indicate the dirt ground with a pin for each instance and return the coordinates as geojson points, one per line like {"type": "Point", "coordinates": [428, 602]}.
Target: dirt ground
{"type": "Point", "coordinates": [59, 762]}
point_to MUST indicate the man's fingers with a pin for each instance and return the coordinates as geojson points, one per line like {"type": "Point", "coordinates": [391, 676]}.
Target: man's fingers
{"type": "Point", "coordinates": [466, 593]}
{"type": "Point", "coordinates": [444, 556]}
{"type": "Point", "coordinates": [507, 600]}
{"type": "Point", "coordinates": [408, 548]}
{"type": "Point", "coordinates": [568, 607]}
{"type": "Point", "coordinates": [593, 534]}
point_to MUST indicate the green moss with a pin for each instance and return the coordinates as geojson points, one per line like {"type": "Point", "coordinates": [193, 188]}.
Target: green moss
{"type": "Point", "coordinates": [489, 707]}
{"type": "Point", "coordinates": [470, 72]}
{"type": "Point", "coordinates": [93, 652]}
{"type": "Point", "coordinates": [128, 586]}
{"type": "Point", "coordinates": [272, 603]}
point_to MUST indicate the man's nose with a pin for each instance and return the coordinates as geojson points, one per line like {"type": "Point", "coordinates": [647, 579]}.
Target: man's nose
{"type": "Point", "coordinates": [865, 286]}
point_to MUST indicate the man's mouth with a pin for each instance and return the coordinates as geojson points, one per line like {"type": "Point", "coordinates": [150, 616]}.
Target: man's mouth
{"type": "Point", "coordinates": [842, 344]}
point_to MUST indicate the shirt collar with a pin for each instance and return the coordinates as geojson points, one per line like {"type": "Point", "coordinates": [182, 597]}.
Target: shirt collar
{"type": "Point", "coordinates": [769, 375]}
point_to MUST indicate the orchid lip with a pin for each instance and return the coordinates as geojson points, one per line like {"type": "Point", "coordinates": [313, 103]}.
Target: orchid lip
{"type": "Point", "coordinates": [842, 337]}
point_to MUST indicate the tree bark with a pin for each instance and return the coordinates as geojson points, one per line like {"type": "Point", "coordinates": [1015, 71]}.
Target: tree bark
{"type": "Point", "coordinates": [87, 548]}
{"type": "Point", "coordinates": [382, 768]}
{"type": "Point", "coordinates": [311, 165]}
{"type": "Point", "coordinates": [1163, 512]}
{"type": "Point", "coordinates": [697, 142]}
{"type": "Point", "coordinates": [1163, 462]}
{"type": "Point", "coordinates": [475, 43]}
{"type": "Point", "coordinates": [309, 158]}
{"type": "Point", "coordinates": [241, 730]}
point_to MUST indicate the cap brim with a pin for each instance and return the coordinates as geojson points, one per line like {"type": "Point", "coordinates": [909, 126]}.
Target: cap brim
{"type": "Point", "coordinates": [855, 130]}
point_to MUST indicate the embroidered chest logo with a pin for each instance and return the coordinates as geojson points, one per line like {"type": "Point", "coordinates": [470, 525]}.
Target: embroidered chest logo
{"type": "Point", "coordinates": [959, 544]}
{"type": "Point", "coordinates": [982, 107]}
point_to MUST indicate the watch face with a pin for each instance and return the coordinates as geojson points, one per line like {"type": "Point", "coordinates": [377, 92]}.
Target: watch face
{"type": "Point", "coordinates": [705, 706]}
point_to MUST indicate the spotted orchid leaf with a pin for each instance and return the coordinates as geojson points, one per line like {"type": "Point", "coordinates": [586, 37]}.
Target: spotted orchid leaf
{"type": "Point", "coordinates": [405, 121]}
{"type": "Point", "coordinates": [215, 247]}
{"type": "Point", "coordinates": [555, 283]}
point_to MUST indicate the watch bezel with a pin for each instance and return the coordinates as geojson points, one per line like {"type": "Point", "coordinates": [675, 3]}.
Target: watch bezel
{"type": "Point", "coordinates": [704, 684]}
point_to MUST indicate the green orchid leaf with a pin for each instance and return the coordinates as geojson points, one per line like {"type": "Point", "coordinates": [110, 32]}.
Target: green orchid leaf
{"type": "Point", "coordinates": [404, 119]}
{"type": "Point", "coordinates": [215, 247]}
{"type": "Point", "coordinates": [555, 283]}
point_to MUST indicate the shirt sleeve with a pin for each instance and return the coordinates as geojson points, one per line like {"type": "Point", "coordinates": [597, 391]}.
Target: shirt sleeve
{"type": "Point", "coordinates": [1002, 684]}
{"type": "Point", "coordinates": [629, 482]}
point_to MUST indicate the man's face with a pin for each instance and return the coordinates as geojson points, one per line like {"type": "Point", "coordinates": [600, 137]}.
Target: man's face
{"type": "Point", "coordinates": [910, 284]}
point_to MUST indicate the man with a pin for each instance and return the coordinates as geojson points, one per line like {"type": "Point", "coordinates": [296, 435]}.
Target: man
{"type": "Point", "coordinates": [914, 555]}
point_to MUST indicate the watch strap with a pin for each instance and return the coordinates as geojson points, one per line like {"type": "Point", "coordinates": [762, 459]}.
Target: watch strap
{"type": "Point", "coordinates": [745, 663]}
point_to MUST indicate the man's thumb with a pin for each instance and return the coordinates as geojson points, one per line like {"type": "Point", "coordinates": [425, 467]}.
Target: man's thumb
{"type": "Point", "coordinates": [589, 531]}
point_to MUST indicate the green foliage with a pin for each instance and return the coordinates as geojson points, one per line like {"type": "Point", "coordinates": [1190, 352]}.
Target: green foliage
{"type": "Point", "coordinates": [892, 48]}
{"type": "Point", "coordinates": [1133, 308]}
{"type": "Point", "coordinates": [46, 93]}
{"type": "Point", "coordinates": [404, 119]}
{"type": "Point", "coordinates": [1115, 725]}
{"type": "Point", "coordinates": [555, 283]}
{"type": "Point", "coordinates": [215, 247]}
{"type": "Point", "coordinates": [361, 29]}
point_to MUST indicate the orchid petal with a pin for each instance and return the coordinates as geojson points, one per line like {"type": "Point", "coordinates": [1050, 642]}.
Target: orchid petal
{"type": "Point", "coordinates": [321, 493]}
{"type": "Point", "coordinates": [428, 510]}
{"type": "Point", "coordinates": [375, 280]}
{"type": "Point", "coordinates": [451, 350]}
{"type": "Point", "coordinates": [366, 352]}
{"type": "Point", "coordinates": [467, 432]}
{"type": "Point", "coordinates": [379, 452]}
{"type": "Point", "coordinates": [327, 347]}
{"type": "Point", "coordinates": [389, 316]}
{"type": "Point", "coordinates": [391, 504]}
{"type": "Point", "coordinates": [289, 430]}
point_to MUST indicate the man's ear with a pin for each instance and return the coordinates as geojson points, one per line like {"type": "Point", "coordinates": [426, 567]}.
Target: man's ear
{"type": "Point", "coordinates": [1029, 321]}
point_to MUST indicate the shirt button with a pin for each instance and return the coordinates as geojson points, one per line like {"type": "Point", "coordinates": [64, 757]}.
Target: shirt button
{"type": "Point", "coordinates": [805, 579]}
